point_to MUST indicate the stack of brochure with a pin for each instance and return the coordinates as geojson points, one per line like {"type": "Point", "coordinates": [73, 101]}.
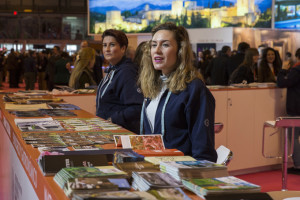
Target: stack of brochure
{"type": "Point", "coordinates": [90, 186]}
{"type": "Point", "coordinates": [51, 163]}
{"type": "Point", "coordinates": [219, 186]}
{"type": "Point", "coordinates": [120, 195]}
{"type": "Point", "coordinates": [144, 181]}
{"type": "Point", "coordinates": [87, 124]}
{"type": "Point", "coordinates": [38, 124]}
{"type": "Point", "coordinates": [65, 106]}
{"type": "Point", "coordinates": [157, 159]}
{"type": "Point", "coordinates": [193, 169]}
{"type": "Point", "coordinates": [65, 174]}
{"type": "Point", "coordinates": [123, 157]}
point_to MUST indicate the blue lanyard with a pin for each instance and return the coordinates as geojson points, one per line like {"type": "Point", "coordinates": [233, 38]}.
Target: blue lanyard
{"type": "Point", "coordinates": [162, 115]}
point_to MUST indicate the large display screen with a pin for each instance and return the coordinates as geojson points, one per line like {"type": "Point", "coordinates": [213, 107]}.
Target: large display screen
{"type": "Point", "coordinates": [140, 16]}
{"type": "Point", "coordinates": [287, 14]}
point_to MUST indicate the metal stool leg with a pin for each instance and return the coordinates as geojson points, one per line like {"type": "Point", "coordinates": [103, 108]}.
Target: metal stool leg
{"type": "Point", "coordinates": [285, 160]}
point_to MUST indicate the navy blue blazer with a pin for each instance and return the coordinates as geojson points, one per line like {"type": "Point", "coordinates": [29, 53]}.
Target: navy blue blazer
{"type": "Point", "coordinates": [188, 121]}
{"type": "Point", "coordinates": [291, 80]}
{"type": "Point", "coordinates": [121, 100]}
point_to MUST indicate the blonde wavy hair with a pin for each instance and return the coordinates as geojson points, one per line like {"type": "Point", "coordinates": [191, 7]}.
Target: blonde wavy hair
{"type": "Point", "coordinates": [149, 78]}
{"type": "Point", "coordinates": [85, 57]}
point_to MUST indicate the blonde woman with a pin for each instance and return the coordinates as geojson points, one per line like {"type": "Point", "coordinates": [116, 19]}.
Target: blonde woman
{"type": "Point", "coordinates": [82, 75]}
{"type": "Point", "coordinates": [177, 103]}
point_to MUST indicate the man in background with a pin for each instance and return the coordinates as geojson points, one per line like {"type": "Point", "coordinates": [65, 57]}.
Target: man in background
{"type": "Point", "coordinates": [238, 58]}
{"type": "Point", "coordinates": [50, 70]}
{"type": "Point", "coordinates": [289, 77]}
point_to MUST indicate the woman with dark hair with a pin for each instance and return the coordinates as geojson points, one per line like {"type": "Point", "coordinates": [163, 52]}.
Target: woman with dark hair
{"type": "Point", "coordinates": [247, 70]}
{"type": "Point", "coordinates": [177, 103]}
{"type": "Point", "coordinates": [118, 98]}
{"type": "Point", "coordinates": [269, 66]}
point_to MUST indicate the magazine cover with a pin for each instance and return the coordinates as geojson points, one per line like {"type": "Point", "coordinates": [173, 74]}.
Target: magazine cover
{"type": "Point", "coordinates": [228, 184]}
{"type": "Point", "coordinates": [38, 124]}
{"type": "Point", "coordinates": [87, 124]}
{"type": "Point", "coordinates": [140, 142]}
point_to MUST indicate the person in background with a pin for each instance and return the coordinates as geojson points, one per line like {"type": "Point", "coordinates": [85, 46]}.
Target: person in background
{"type": "Point", "coordinates": [207, 58]}
{"type": "Point", "coordinates": [30, 70]}
{"type": "Point", "coordinates": [2, 64]}
{"type": "Point", "coordinates": [41, 70]}
{"type": "Point", "coordinates": [247, 71]}
{"type": "Point", "coordinates": [213, 52]}
{"type": "Point", "coordinates": [288, 58]}
{"type": "Point", "coordinates": [97, 69]}
{"type": "Point", "coordinates": [78, 35]}
{"type": "Point", "coordinates": [289, 77]}
{"type": "Point", "coordinates": [50, 69]}
{"type": "Point", "coordinates": [130, 52]}
{"type": "Point", "coordinates": [118, 98]}
{"type": "Point", "coordinates": [82, 74]}
{"type": "Point", "coordinates": [62, 73]}
{"type": "Point", "coordinates": [269, 66]}
{"type": "Point", "coordinates": [12, 63]}
{"type": "Point", "coordinates": [84, 44]}
{"type": "Point", "coordinates": [200, 60]}
{"type": "Point", "coordinates": [238, 58]}
{"type": "Point", "coordinates": [261, 48]}
{"type": "Point", "coordinates": [139, 53]}
{"type": "Point", "coordinates": [177, 103]}
{"type": "Point", "coordinates": [217, 69]}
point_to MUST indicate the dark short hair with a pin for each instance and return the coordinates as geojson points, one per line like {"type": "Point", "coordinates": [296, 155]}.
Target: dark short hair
{"type": "Point", "coordinates": [297, 54]}
{"type": "Point", "coordinates": [120, 36]}
{"type": "Point", "coordinates": [243, 46]}
{"type": "Point", "coordinates": [30, 52]}
{"type": "Point", "coordinates": [57, 47]}
{"type": "Point", "coordinates": [225, 49]}
{"type": "Point", "coordinates": [263, 45]}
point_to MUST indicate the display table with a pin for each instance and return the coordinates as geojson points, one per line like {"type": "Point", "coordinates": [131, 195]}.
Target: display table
{"type": "Point", "coordinates": [21, 177]}
{"type": "Point", "coordinates": [243, 112]}
{"type": "Point", "coordinates": [86, 102]}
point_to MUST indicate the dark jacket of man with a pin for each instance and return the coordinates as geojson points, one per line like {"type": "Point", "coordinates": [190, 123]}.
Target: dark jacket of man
{"type": "Point", "coordinates": [291, 80]}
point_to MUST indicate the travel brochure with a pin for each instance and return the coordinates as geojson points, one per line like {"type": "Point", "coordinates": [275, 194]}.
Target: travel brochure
{"type": "Point", "coordinates": [144, 181]}
{"type": "Point", "coordinates": [77, 140]}
{"type": "Point", "coordinates": [43, 113]}
{"type": "Point", "coordinates": [157, 159]}
{"type": "Point", "coordinates": [62, 177]}
{"type": "Point", "coordinates": [38, 124]}
{"type": "Point", "coordinates": [220, 185]}
{"type": "Point", "coordinates": [51, 163]}
{"type": "Point", "coordinates": [25, 107]}
{"type": "Point", "coordinates": [140, 142]}
{"type": "Point", "coordinates": [193, 169]}
{"type": "Point", "coordinates": [65, 106]}
{"type": "Point", "coordinates": [87, 124]}
{"type": "Point", "coordinates": [26, 99]}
